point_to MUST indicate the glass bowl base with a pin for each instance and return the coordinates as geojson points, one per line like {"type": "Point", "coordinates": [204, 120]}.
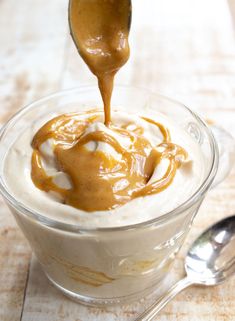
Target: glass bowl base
{"type": "Point", "coordinates": [157, 290]}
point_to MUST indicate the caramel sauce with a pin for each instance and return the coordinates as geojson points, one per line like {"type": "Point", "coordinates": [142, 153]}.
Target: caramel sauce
{"type": "Point", "coordinates": [100, 181]}
{"type": "Point", "coordinates": [100, 30]}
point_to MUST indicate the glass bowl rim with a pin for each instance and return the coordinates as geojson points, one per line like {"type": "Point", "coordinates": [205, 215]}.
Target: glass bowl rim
{"type": "Point", "coordinates": [76, 228]}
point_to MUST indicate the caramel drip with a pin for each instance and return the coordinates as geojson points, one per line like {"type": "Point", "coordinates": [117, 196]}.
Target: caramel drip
{"type": "Point", "coordinates": [100, 31]}
{"type": "Point", "coordinates": [100, 181]}
{"type": "Point", "coordinates": [164, 131]}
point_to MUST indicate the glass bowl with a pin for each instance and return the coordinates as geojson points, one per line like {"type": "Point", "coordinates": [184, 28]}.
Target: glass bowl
{"type": "Point", "coordinates": [101, 266]}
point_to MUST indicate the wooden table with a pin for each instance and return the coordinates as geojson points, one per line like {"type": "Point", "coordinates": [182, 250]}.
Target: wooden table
{"type": "Point", "coordinates": [183, 48]}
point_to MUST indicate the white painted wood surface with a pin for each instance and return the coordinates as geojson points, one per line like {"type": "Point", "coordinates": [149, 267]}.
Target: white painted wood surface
{"type": "Point", "coordinates": [183, 48]}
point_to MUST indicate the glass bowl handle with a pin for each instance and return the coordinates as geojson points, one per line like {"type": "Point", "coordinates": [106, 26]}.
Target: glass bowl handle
{"type": "Point", "coordinates": [226, 145]}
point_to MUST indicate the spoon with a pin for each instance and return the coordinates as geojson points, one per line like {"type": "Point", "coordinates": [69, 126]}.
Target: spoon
{"type": "Point", "coordinates": [209, 261]}
{"type": "Point", "coordinates": [100, 31]}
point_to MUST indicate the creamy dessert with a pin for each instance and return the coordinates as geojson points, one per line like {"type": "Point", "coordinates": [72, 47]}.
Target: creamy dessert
{"type": "Point", "coordinates": [111, 265]}
{"type": "Point", "coordinates": [85, 173]}
{"type": "Point", "coordinates": [96, 169]}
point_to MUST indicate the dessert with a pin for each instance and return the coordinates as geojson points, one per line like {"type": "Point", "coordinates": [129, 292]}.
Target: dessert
{"type": "Point", "coordinates": [102, 173]}
{"type": "Point", "coordinates": [95, 206]}
{"type": "Point", "coordinates": [85, 261]}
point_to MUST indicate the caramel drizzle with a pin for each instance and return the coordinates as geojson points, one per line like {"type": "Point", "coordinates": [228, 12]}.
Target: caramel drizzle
{"type": "Point", "coordinates": [100, 30]}
{"type": "Point", "coordinates": [100, 181]}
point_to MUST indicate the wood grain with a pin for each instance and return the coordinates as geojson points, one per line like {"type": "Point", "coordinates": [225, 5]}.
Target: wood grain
{"type": "Point", "coordinates": [31, 65]}
{"type": "Point", "coordinates": [185, 49]}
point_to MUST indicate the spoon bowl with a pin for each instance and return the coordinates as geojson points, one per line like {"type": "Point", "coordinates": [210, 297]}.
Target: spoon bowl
{"type": "Point", "coordinates": [211, 258]}
{"type": "Point", "coordinates": [209, 261]}
{"type": "Point", "coordinates": [100, 32]}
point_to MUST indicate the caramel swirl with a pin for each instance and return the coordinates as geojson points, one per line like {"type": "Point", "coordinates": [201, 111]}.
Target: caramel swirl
{"type": "Point", "coordinates": [99, 180]}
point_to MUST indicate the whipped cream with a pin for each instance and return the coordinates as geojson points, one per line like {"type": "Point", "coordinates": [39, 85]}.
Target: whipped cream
{"type": "Point", "coordinates": [187, 180]}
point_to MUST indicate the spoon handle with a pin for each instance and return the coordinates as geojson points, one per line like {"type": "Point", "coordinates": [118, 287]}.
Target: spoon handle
{"type": "Point", "coordinates": [152, 311]}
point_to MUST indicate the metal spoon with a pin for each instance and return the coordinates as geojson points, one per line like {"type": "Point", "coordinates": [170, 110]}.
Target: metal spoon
{"type": "Point", "coordinates": [81, 13]}
{"type": "Point", "coordinates": [210, 260]}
